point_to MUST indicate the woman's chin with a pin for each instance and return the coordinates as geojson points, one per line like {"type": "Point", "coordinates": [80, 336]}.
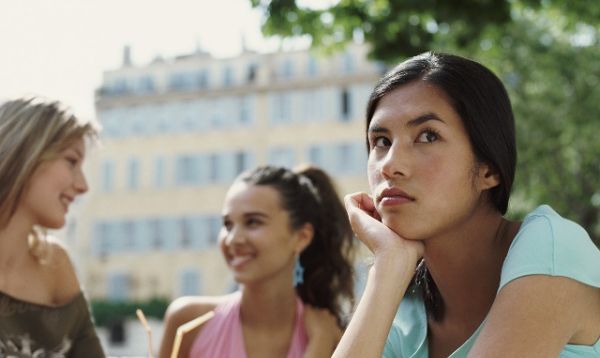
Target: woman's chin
{"type": "Point", "coordinates": [402, 228]}
{"type": "Point", "coordinates": [53, 224]}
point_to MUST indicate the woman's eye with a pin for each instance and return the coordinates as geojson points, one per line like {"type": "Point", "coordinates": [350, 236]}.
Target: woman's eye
{"type": "Point", "coordinates": [227, 225]}
{"type": "Point", "coordinates": [381, 142]}
{"type": "Point", "coordinates": [252, 222]}
{"type": "Point", "coordinates": [72, 161]}
{"type": "Point", "coordinates": [428, 136]}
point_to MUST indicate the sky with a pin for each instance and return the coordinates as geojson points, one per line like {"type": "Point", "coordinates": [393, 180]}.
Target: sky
{"type": "Point", "coordinates": [59, 48]}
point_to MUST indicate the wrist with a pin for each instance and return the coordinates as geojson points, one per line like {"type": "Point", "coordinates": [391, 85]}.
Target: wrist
{"type": "Point", "coordinates": [397, 265]}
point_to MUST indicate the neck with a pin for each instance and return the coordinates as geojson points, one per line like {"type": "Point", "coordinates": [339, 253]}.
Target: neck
{"type": "Point", "coordinates": [14, 248]}
{"type": "Point", "coordinates": [268, 305]}
{"type": "Point", "coordinates": [466, 264]}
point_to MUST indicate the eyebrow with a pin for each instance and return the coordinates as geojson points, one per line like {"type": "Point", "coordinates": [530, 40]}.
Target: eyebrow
{"type": "Point", "coordinates": [250, 214]}
{"type": "Point", "coordinates": [423, 118]}
{"type": "Point", "coordinates": [256, 213]}
{"type": "Point", "coordinates": [411, 123]}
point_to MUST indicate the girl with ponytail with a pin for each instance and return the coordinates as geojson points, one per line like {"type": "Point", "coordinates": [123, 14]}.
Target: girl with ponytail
{"type": "Point", "coordinates": [288, 241]}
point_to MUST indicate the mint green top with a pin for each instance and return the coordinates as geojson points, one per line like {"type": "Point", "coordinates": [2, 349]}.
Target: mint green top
{"type": "Point", "coordinates": [546, 244]}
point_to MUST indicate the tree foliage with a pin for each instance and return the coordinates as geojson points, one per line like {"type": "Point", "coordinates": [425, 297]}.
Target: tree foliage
{"type": "Point", "coordinates": [397, 28]}
{"type": "Point", "coordinates": [545, 51]}
{"type": "Point", "coordinates": [553, 85]}
{"type": "Point", "coordinates": [106, 312]}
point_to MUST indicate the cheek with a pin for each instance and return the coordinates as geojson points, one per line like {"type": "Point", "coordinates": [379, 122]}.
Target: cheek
{"type": "Point", "coordinates": [372, 173]}
{"type": "Point", "coordinates": [221, 241]}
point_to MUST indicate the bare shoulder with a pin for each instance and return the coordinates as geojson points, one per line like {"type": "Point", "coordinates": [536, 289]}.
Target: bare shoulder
{"type": "Point", "coordinates": [184, 309]}
{"type": "Point", "coordinates": [181, 311]}
{"type": "Point", "coordinates": [61, 271]}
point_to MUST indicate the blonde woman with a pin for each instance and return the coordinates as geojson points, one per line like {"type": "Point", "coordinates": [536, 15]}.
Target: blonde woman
{"type": "Point", "coordinates": [43, 312]}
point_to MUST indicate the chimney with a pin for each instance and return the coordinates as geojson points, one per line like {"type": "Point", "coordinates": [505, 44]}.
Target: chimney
{"type": "Point", "coordinates": [126, 56]}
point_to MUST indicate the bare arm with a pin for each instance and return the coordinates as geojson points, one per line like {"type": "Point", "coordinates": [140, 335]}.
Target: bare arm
{"type": "Point", "coordinates": [389, 277]}
{"type": "Point", "coordinates": [536, 316]}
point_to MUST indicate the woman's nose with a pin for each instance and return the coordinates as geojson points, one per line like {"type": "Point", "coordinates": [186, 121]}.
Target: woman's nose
{"type": "Point", "coordinates": [233, 236]}
{"type": "Point", "coordinates": [396, 162]}
{"type": "Point", "coordinates": [80, 183]}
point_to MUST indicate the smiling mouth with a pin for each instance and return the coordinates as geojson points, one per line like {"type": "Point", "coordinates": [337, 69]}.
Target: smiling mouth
{"type": "Point", "coordinates": [239, 261]}
{"type": "Point", "coordinates": [66, 201]}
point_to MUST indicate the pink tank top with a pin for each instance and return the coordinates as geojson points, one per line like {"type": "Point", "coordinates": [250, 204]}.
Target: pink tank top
{"type": "Point", "coordinates": [222, 335]}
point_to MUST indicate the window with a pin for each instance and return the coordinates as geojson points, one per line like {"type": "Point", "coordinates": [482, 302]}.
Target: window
{"type": "Point", "coordinates": [227, 76]}
{"type": "Point", "coordinates": [142, 235]}
{"type": "Point", "coordinates": [214, 228]}
{"type": "Point", "coordinates": [287, 69]}
{"type": "Point", "coordinates": [185, 233]}
{"type": "Point", "coordinates": [242, 162]}
{"type": "Point", "coordinates": [118, 87]}
{"type": "Point", "coordinates": [311, 66]}
{"type": "Point", "coordinates": [118, 286]}
{"type": "Point", "coordinates": [101, 244]}
{"type": "Point", "coordinates": [214, 168]}
{"type": "Point", "coordinates": [315, 155]}
{"type": "Point", "coordinates": [128, 235]}
{"type": "Point", "coordinates": [244, 110]}
{"type": "Point", "coordinates": [202, 79]}
{"type": "Point", "coordinates": [281, 108]}
{"type": "Point", "coordinates": [108, 173]}
{"type": "Point", "coordinates": [344, 158]}
{"type": "Point", "coordinates": [252, 70]}
{"type": "Point", "coordinates": [133, 174]}
{"type": "Point", "coordinates": [177, 81]}
{"type": "Point", "coordinates": [187, 170]}
{"type": "Point", "coordinates": [281, 156]}
{"type": "Point", "coordinates": [157, 240]}
{"type": "Point", "coordinates": [312, 107]}
{"type": "Point", "coordinates": [189, 282]}
{"type": "Point", "coordinates": [146, 85]}
{"type": "Point", "coordinates": [345, 112]}
{"type": "Point", "coordinates": [159, 172]}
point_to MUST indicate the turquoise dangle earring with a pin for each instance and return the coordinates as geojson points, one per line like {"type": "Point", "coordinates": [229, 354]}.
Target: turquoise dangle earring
{"type": "Point", "coordinates": [298, 272]}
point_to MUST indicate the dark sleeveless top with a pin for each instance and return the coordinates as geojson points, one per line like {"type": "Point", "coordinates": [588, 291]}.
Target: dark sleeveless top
{"type": "Point", "coordinates": [33, 330]}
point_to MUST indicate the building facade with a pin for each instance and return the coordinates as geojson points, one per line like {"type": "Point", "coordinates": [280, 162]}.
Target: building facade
{"type": "Point", "coordinates": [177, 132]}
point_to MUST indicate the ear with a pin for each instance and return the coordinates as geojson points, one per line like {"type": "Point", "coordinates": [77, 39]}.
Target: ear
{"type": "Point", "coordinates": [304, 237]}
{"type": "Point", "coordinates": [487, 176]}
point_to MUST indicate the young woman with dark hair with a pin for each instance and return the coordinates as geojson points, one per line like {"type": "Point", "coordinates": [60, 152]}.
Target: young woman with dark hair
{"type": "Point", "coordinates": [288, 241]}
{"type": "Point", "coordinates": [442, 157]}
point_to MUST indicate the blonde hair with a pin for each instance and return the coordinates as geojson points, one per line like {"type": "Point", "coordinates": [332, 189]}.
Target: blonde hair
{"type": "Point", "coordinates": [33, 130]}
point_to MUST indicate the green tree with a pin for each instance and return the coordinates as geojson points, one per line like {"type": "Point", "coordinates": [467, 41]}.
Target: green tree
{"type": "Point", "coordinates": [106, 312]}
{"type": "Point", "coordinates": [552, 75]}
{"type": "Point", "coordinates": [545, 51]}
{"type": "Point", "coordinates": [400, 28]}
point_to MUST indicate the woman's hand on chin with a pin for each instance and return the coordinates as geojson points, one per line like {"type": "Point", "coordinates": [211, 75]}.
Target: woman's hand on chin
{"type": "Point", "coordinates": [380, 239]}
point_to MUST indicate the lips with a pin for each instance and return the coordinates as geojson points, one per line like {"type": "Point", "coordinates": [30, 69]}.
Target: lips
{"type": "Point", "coordinates": [66, 200]}
{"type": "Point", "coordinates": [394, 196]}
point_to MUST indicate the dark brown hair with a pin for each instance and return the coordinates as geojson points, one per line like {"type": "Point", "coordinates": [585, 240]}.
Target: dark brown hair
{"type": "Point", "coordinates": [309, 196]}
{"type": "Point", "coordinates": [482, 103]}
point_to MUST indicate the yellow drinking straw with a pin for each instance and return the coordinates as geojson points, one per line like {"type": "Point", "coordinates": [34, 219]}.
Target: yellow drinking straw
{"type": "Point", "coordinates": [185, 328]}
{"type": "Point", "coordinates": [142, 318]}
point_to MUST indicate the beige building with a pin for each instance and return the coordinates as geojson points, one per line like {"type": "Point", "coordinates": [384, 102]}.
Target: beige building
{"type": "Point", "coordinates": [178, 131]}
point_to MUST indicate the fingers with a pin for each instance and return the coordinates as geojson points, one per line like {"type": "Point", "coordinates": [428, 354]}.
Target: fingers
{"type": "Point", "coordinates": [361, 202]}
